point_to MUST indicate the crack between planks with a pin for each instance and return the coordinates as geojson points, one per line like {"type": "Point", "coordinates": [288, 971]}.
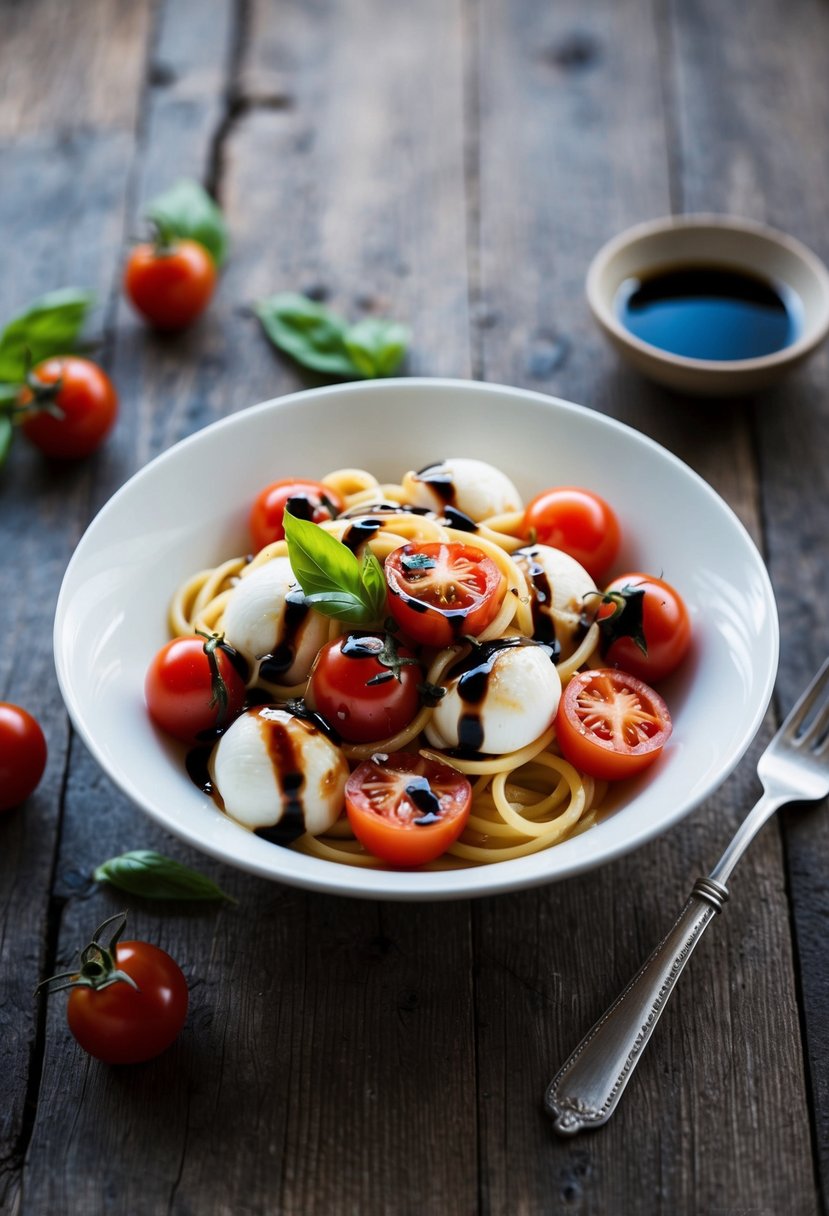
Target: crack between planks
{"type": "Point", "coordinates": [664, 28]}
{"type": "Point", "coordinates": [471, 43]}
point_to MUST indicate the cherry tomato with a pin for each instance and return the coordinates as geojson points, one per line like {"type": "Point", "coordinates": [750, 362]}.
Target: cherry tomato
{"type": "Point", "coordinates": [579, 523]}
{"type": "Point", "coordinates": [71, 406]}
{"type": "Point", "coordinates": [120, 1025]}
{"type": "Point", "coordinates": [366, 686]}
{"type": "Point", "coordinates": [649, 608]}
{"type": "Point", "coordinates": [22, 755]}
{"type": "Point", "coordinates": [611, 725]}
{"type": "Point", "coordinates": [183, 687]}
{"type": "Point", "coordinates": [443, 591]}
{"type": "Point", "coordinates": [170, 286]}
{"type": "Point", "coordinates": [309, 500]}
{"type": "Point", "coordinates": [407, 810]}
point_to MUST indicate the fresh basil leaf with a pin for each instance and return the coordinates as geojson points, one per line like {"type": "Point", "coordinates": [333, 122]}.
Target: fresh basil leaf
{"type": "Point", "coordinates": [329, 574]}
{"type": "Point", "coordinates": [154, 876]}
{"type": "Point", "coordinates": [376, 346]}
{"type": "Point", "coordinates": [187, 210]}
{"type": "Point", "coordinates": [374, 581]}
{"type": "Point", "coordinates": [6, 437]}
{"type": "Point", "coordinates": [49, 326]}
{"type": "Point", "coordinates": [308, 332]}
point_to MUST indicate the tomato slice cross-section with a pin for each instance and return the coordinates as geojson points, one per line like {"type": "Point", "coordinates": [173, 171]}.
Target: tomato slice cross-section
{"type": "Point", "coordinates": [439, 592]}
{"type": "Point", "coordinates": [610, 724]}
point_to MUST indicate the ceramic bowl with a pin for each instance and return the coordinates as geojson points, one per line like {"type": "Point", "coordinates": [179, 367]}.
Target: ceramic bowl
{"type": "Point", "coordinates": [710, 240]}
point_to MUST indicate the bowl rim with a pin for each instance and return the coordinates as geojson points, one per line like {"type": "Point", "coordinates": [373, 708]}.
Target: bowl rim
{"type": "Point", "coordinates": [602, 308]}
{"type": "Point", "coordinates": [385, 884]}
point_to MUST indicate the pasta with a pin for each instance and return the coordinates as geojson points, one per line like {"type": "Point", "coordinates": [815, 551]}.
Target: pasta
{"type": "Point", "coordinates": [525, 800]}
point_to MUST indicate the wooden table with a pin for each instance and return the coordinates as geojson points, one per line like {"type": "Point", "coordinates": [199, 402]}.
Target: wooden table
{"type": "Point", "coordinates": [455, 163]}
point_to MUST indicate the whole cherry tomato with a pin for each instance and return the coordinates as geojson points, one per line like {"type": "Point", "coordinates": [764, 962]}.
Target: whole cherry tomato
{"type": "Point", "coordinates": [645, 626]}
{"type": "Point", "coordinates": [309, 500]}
{"type": "Point", "coordinates": [170, 285]}
{"type": "Point", "coordinates": [366, 686]}
{"type": "Point", "coordinates": [440, 592]}
{"type": "Point", "coordinates": [22, 755]}
{"type": "Point", "coordinates": [578, 522]}
{"type": "Point", "coordinates": [193, 688]}
{"type": "Point", "coordinates": [69, 407]}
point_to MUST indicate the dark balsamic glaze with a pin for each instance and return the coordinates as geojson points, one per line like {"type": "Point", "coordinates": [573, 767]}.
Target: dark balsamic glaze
{"type": "Point", "coordinates": [301, 507]}
{"type": "Point", "coordinates": [362, 646]}
{"type": "Point", "coordinates": [272, 667]}
{"type": "Point", "coordinates": [360, 532]}
{"type": "Point", "coordinates": [299, 709]}
{"type": "Point", "coordinates": [196, 762]}
{"type": "Point", "coordinates": [473, 671]}
{"type": "Point", "coordinates": [291, 780]}
{"type": "Point", "coordinates": [440, 479]}
{"type": "Point", "coordinates": [383, 508]}
{"type": "Point", "coordinates": [420, 792]}
{"type": "Point", "coordinates": [459, 520]}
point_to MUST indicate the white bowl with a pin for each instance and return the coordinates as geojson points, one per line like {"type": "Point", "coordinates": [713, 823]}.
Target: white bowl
{"type": "Point", "coordinates": [710, 240]}
{"type": "Point", "coordinates": [188, 509]}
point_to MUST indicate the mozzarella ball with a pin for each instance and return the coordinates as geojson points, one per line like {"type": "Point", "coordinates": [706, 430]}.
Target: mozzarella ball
{"type": "Point", "coordinates": [472, 486]}
{"type": "Point", "coordinates": [267, 620]}
{"type": "Point", "coordinates": [562, 592]}
{"type": "Point", "coordinates": [276, 771]}
{"type": "Point", "coordinates": [504, 696]}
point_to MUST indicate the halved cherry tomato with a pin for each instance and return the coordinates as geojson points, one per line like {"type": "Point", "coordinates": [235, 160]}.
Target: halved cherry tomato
{"type": "Point", "coordinates": [183, 687]}
{"type": "Point", "coordinates": [578, 522]}
{"type": "Point", "coordinates": [170, 285]}
{"type": "Point", "coordinates": [611, 725]}
{"type": "Point", "coordinates": [309, 500]}
{"type": "Point", "coordinates": [651, 610]}
{"type": "Point", "coordinates": [121, 1025]}
{"type": "Point", "coordinates": [22, 755]}
{"type": "Point", "coordinates": [366, 686]}
{"type": "Point", "coordinates": [70, 407]}
{"type": "Point", "coordinates": [440, 592]}
{"type": "Point", "coordinates": [407, 810]}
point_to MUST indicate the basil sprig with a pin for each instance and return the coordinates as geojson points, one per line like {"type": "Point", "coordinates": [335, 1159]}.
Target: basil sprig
{"type": "Point", "coordinates": [186, 210]}
{"type": "Point", "coordinates": [49, 326]}
{"type": "Point", "coordinates": [332, 580]}
{"type": "Point", "coordinates": [154, 876]}
{"type": "Point", "coordinates": [322, 340]}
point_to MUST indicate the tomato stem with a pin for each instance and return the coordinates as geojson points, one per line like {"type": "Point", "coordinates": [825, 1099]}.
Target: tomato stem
{"type": "Point", "coordinates": [218, 687]}
{"type": "Point", "coordinates": [99, 965]}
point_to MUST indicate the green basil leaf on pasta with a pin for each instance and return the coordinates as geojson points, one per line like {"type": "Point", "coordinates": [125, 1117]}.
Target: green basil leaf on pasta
{"type": "Point", "coordinates": [329, 574]}
{"type": "Point", "coordinates": [154, 876]}
{"type": "Point", "coordinates": [49, 326]}
{"type": "Point", "coordinates": [186, 210]}
{"type": "Point", "coordinates": [308, 332]}
{"type": "Point", "coordinates": [374, 581]}
{"type": "Point", "coordinates": [376, 346]}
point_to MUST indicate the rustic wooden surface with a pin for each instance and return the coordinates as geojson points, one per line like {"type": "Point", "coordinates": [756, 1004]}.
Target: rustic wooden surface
{"type": "Point", "coordinates": [457, 162]}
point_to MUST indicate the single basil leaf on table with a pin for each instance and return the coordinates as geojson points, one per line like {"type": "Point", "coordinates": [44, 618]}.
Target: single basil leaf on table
{"type": "Point", "coordinates": [154, 876]}
{"type": "Point", "coordinates": [329, 574]}
{"type": "Point", "coordinates": [307, 331]}
{"type": "Point", "coordinates": [376, 346]}
{"type": "Point", "coordinates": [186, 210]}
{"type": "Point", "coordinates": [49, 326]}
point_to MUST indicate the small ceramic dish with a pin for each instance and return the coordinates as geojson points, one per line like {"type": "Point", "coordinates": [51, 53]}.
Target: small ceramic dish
{"type": "Point", "coordinates": [716, 243]}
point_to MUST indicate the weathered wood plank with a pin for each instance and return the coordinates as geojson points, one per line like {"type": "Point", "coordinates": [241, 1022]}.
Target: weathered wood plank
{"type": "Point", "coordinates": [594, 154]}
{"type": "Point", "coordinates": [65, 151]}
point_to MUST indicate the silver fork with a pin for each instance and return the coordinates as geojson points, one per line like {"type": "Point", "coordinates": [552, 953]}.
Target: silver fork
{"type": "Point", "coordinates": [794, 767]}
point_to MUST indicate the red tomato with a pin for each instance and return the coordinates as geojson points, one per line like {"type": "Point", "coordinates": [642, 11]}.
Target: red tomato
{"type": "Point", "coordinates": [22, 755]}
{"type": "Point", "coordinates": [611, 725]}
{"type": "Point", "coordinates": [664, 627]}
{"type": "Point", "coordinates": [366, 686]}
{"type": "Point", "coordinates": [579, 523]}
{"type": "Point", "coordinates": [170, 286]}
{"type": "Point", "coordinates": [70, 407]}
{"type": "Point", "coordinates": [311, 500]}
{"type": "Point", "coordinates": [441, 592]}
{"type": "Point", "coordinates": [183, 688]}
{"type": "Point", "coordinates": [407, 810]}
{"type": "Point", "coordinates": [120, 1025]}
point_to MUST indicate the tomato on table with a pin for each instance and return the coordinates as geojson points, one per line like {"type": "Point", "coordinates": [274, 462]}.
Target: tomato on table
{"type": "Point", "coordinates": [193, 687]}
{"type": "Point", "coordinates": [578, 522]}
{"type": "Point", "coordinates": [309, 500]}
{"type": "Point", "coordinates": [645, 626]}
{"type": "Point", "coordinates": [366, 686]}
{"type": "Point", "coordinates": [405, 809]}
{"type": "Point", "coordinates": [68, 407]}
{"type": "Point", "coordinates": [611, 725]}
{"type": "Point", "coordinates": [170, 285]}
{"type": "Point", "coordinates": [442, 591]}
{"type": "Point", "coordinates": [22, 755]}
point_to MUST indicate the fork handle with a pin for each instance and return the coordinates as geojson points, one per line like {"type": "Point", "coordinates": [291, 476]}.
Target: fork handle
{"type": "Point", "coordinates": [586, 1090]}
